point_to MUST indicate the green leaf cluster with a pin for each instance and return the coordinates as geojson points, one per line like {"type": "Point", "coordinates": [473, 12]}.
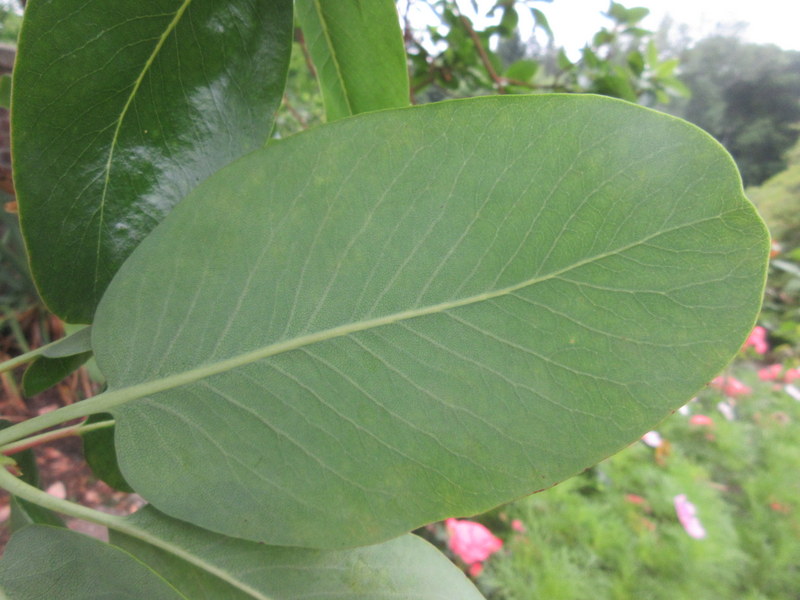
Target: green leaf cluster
{"type": "Point", "coordinates": [316, 344]}
{"type": "Point", "coordinates": [457, 58]}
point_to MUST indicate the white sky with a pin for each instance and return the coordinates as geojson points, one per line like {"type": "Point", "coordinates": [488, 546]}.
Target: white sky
{"type": "Point", "coordinates": [575, 21]}
{"type": "Point", "coordinates": [769, 21]}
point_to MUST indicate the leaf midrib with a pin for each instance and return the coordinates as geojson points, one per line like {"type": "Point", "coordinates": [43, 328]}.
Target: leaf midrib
{"type": "Point", "coordinates": [333, 55]}
{"type": "Point", "coordinates": [120, 120]}
{"type": "Point", "coordinates": [115, 397]}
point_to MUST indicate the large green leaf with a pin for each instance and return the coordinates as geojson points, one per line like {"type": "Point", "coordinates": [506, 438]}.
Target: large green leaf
{"type": "Point", "coordinates": [215, 567]}
{"type": "Point", "coordinates": [123, 107]}
{"type": "Point", "coordinates": [432, 311]}
{"type": "Point", "coordinates": [47, 562]}
{"type": "Point", "coordinates": [357, 48]}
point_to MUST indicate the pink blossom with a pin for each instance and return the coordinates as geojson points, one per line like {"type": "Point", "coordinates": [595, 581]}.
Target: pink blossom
{"type": "Point", "coordinates": [701, 421]}
{"type": "Point", "coordinates": [687, 515]}
{"type": "Point", "coordinates": [517, 525]}
{"type": "Point", "coordinates": [791, 375]}
{"type": "Point", "coordinates": [730, 386]}
{"type": "Point", "coordinates": [471, 541]}
{"type": "Point", "coordinates": [770, 373]}
{"type": "Point", "coordinates": [634, 499]}
{"type": "Point", "coordinates": [758, 340]}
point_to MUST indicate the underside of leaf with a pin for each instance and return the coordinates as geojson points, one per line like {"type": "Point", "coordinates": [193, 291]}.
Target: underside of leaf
{"type": "Point", "coordinates": [425, 312]}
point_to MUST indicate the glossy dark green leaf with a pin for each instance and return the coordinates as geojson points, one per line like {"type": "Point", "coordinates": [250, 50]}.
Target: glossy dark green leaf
{"type": "Point", "coordinates": [101, 455]}
{"type": "Point", "coordinates": [45, 372]}
{"type": "Point", "coordinates": [208, 566]}
{"type": "Point", "coordinates": [123, 107]}
{"type": "Point", "coordinates": [357, 48]}
{"type": "Point", "coordinates": [433, 311]}
{"type": "Point", "coordinates": [43, 563]}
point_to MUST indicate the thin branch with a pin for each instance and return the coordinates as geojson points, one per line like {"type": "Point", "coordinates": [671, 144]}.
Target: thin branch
{"type": "Point", "coordinates": [295, 114]}
{"type": "Point", "coordinates": [301, 40]}
{"type": "Point", "coordinates": [58, 434]}
{"type": "Point", "coordinates": [487, 63]}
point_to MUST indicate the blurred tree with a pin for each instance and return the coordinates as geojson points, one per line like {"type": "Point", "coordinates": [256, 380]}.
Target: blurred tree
{"type": "Point", "coordinates": [748, 97]}
{"type": "Point", "coordinates": [453, 56]}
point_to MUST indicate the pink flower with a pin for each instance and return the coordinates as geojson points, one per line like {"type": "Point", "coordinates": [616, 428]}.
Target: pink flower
{"type": "Point", "coordinates": [730, 386]}
{"type": "Point", "coordinates": [758, 340]}
{"type": "Point", "coordinates": [791, 375]}
{"type": "Point", "coordinates": [687, 515]}
{"type": "Point", "coordinates": [634, 499]}
{"type": "Point", "coordinates": [770, 373]}
{"type": "Point", "coordinates": [471, 542]}
{"type": "Point", "coordinates": [701, 421]}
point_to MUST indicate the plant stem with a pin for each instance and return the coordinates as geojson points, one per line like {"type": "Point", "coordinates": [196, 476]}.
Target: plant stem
{"type": "Point", "coordinates": [19, 488]}
{"type": "Point", "coordinates": [43, 438]}
{"type": "Point", "coordinates": [487, 63]}
{"type": "Point", "coordinates": [27, 428]}
{"type": "Point", "coordinates": [22, 359]}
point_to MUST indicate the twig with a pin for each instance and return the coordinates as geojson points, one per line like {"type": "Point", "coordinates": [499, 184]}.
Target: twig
{"type": "Point", "coordinates": [301, 39]}
{"type": "Point", "coordinates": [293, 111]}
{"type": "Point", "coordinates": [498, 81]}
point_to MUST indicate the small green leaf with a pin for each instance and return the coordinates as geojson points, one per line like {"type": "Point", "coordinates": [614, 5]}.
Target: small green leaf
{"type": "Point", "coordinates": [564, 63]}
{"type": "Point", "coordinates": [205, 565]}
{"type": "Point", "coordinates": [615, 85]}
{"type": "Point", "coordinates": [652, 54]}
{"type": "Point", "coordinates": [124, 106]}
{"type": "Point", "coordinates": [24, 513]}
{"type": "Point", "coordinates": [358, 50]}
{"type": "Point", "coordinates": [45, 372]}
{"type": "Point", "coordinates": [676, 86]}
{"type": "Point", "coordinates": [44, 562]}
{"type": "Point", "coordinates": [541, 21]}
{"type": "Point", "coordinates": [636, 14]}
{"type": "Point", "coordinates": [101, 455]}
{"type": "Point", "coordinates": [522, 70]}
{"type": "Point", "coordinates": [667, 68]}
{"type": "Point", "coordinates": [635, 61]}
{"type": "Point", "coordinates": [510, 19]}
{"type": "Point", "coordinates": [432, 311]}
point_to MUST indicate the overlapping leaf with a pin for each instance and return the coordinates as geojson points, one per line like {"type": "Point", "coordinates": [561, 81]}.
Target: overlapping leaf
{"type": "Point", "coordinates": [358, 51]}
{"type": "Point", "coordinates": [433, 311]}
{"type": "Point", "coordinates": [182, 561]}
{"type": "Point", "coordinates": [48, 562]}
{"type": "Point", "coordinates": [204, 565]}
{"type": "Point", "coordinates": [123, 107]}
